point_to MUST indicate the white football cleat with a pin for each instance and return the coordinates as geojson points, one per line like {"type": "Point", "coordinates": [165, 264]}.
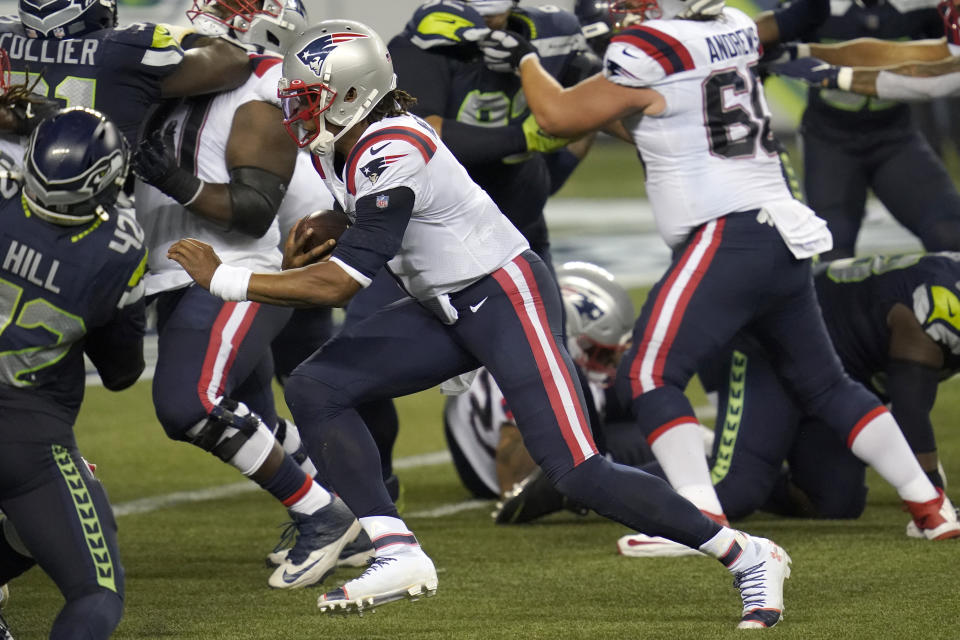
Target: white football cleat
{"type": "Point", "coordinates": [408, 574]}
{"type": "Point", "coordinates": [321, 537]}
{"type": "Point", "coordinates": [934, 520]}
{"type": "Point", "coordinates": [355, 554]}
{"type": "Point", "coordinates": [759, 574]}
{"type": "Point", "coordinates": [639, 545]}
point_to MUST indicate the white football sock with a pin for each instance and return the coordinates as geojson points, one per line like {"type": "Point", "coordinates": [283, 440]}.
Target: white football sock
{"type": "Point", "coordinates": [881, 444]}
{"type": "Point", "coordinates": [679, 451]}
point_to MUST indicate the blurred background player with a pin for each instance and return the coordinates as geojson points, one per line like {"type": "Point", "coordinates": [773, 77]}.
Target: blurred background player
{"type": "Point", "coordinates": [72, 271]}
{"type": "Point", "coordinates": [217, 168]}
{"type": "Point", "coordinates": [854, 144]}
{"type": "Point", "coordinates": [717, 232]}
{"type": "Point", "coordinates": [122, 71]}
{"type": "Point", "coordinates": [482, 298]}
{"type": "Point", "coordinates": [483, 438]}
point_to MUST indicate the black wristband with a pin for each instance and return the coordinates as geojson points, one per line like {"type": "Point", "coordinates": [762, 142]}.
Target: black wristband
{"type": "Point", "coordinates": [181, 185]}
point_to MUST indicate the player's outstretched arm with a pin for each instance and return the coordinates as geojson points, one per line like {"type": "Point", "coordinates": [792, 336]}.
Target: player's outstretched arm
{"type": "Point", "coordinates": [913, 82]}
{"type": "Point", "coordinates": [320, 284]}
{"type": "Point", "coordinates": [871, 52]}
{"type": "Point", "coordinates": [587, 106]}
{"type": "Point", "coordinates": [214, 66]}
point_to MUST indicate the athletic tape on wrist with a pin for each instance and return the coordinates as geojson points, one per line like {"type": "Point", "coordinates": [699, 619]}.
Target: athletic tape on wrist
{"type": "Point", "coordinates": [845, 78]}
{"type": "Point", "coordinates": [803, 50]}
{"type": "Point", "coordinates": [230, 283]}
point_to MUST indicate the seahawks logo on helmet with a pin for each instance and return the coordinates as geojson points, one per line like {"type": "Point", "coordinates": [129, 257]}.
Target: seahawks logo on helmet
{"type": "Point", "coordinates": [314, 54]}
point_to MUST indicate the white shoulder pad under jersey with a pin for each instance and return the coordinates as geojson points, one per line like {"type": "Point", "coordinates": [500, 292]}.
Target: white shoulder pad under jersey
{"type": "Point", "coordinates": [711, 151]}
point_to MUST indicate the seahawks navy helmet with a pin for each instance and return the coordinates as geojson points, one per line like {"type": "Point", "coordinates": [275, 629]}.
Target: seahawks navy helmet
{"type": "Point", "coordinates": [75, 165]}
{"type": "Point", "coordinates": [266, 25]}
{"type": "Point", "coordinates": [597, 22]}
{"type": "Point", "coordinates": [66, 18]}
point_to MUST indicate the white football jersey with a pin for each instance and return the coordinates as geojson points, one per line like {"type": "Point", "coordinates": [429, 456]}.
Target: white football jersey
{"type": "Point", "coordinates": [456, 234]}
{"type": "Point", "coordinates": [202, 131]}
{"type": "Point", "coordinates": [711, 152]}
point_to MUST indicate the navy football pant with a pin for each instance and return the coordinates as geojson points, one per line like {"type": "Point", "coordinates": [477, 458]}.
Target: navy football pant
{"type": "Point", "coordinates": [759, 427]}
{"type": "Point", "coordinates": [304, 333]}
{"type": "Point", "coordinates": [510, 323]}
{"type": "Point", "coordinates": [61, 514]}
{"type": "Point", "coordinates": [905, 174]}
{"type": "Point", "coordinates": [735, 273]}
{"type": "Point", "coordinates": [209, 348]}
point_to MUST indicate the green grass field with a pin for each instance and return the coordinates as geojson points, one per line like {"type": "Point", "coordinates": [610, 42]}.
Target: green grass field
{"type": "Point", "coordinates": [195, 570]}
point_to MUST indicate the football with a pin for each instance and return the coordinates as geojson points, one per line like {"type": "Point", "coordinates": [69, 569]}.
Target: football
{"type": "Point", "coordinates": [325, 224]}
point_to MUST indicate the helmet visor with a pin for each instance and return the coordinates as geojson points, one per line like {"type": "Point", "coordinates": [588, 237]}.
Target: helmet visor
{"type": "Point", "coordinates": [303, 106]}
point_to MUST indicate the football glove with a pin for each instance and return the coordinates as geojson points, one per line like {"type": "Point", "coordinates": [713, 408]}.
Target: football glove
{"type": "Point", "coordinates": [155, 163]}
{"type": "Point", "coordinates": [815, 72]}
{"type": "Point", "coordinates": [785, 52]}
{"type": "Point", "coordinates": [504, 50]}
{"type": "Point", "coordinates": [540, 140]}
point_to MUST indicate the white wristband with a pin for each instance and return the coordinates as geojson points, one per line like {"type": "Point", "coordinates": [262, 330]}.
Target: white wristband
{"type": "Point", "coordinates": [230, 283]}
{"type": "Point", "coordinates": [845, 78]}
{"type": "Point", "coordinates": [803, 50]}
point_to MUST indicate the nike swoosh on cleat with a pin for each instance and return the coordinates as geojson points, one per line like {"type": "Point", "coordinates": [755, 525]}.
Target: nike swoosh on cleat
{"type": "Point", "coordinates": [475, 307]}
{"type": "Point", "coordinates": [293, 577]}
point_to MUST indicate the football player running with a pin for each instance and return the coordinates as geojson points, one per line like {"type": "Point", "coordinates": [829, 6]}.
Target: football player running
{"type": "Point", "coordinates": [73, 266]}
{"type": "Point", "coordinates": [480, 296]}
{"type": "Point", "coordinates": [85, 59]}
{"type": "Point", "coordinates": [684, 82]}
{"type": "Point", "coordinates": [217, 169]}
{"type": "Point", "coordinates": [481, 117]}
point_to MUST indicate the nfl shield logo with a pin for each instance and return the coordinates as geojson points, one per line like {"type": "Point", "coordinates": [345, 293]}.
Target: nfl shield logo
{"type": "Point", "coordinates": [382, 202]}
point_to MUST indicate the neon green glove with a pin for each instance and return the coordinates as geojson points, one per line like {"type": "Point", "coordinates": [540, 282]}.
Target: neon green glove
{"type": "Point", "coordinates": [540, 140]}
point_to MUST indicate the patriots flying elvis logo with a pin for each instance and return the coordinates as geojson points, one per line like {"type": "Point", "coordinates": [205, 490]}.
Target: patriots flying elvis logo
{"type": "Point", "coordinates": [375, 167]}
{"type": "Point", "coordinates": [587, 308]}
{"type": "Point", "coordinates": [317, 51]}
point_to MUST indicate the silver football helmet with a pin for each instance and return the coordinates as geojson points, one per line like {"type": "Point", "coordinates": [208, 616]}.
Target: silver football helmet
{"type": "Point", "coordinates": [335, 73]}
{"type": "Point", "coordinates": [600, 317]}
{"type": "Point", "coordinates": [655, 9]}
{"type": "Point", "coordinates": [265, 25]}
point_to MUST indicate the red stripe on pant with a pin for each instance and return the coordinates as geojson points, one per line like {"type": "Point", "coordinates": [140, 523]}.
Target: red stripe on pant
{"type": "Point", "coordinates": [214, 346]}
{"type": "Point", "coordinates": [550, 385]}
